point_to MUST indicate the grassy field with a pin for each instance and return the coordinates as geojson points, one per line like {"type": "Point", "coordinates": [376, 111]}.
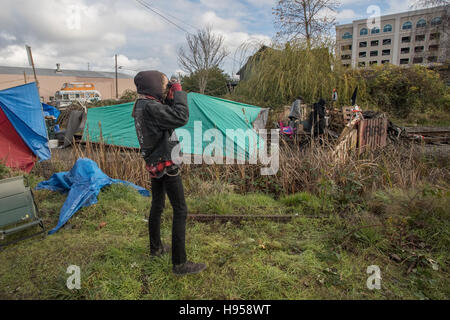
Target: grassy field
{"type": "Point", "coordinates": [323, 253]}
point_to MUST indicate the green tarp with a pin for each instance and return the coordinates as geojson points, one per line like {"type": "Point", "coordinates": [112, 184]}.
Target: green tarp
{"type": "Point", "coordinates": [117, 124]}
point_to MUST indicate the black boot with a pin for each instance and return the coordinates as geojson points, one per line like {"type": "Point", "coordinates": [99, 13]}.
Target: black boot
{"type": "Point", "coordinates": [188, 268]}
{"type": "Point", "coordinates": [164, 250]}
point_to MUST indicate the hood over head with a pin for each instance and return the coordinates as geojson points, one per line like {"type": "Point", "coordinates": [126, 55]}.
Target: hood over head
{"type": "Point", "coordinates": [150, 83]}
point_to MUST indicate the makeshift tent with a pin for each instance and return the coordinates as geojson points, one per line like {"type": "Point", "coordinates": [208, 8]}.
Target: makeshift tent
{"type": "Point", "coordinates": [117, 125]}
{"type": "Point", "coordinates": [23, 135]}
{"type": "Point", "coordinates": [83, 184]}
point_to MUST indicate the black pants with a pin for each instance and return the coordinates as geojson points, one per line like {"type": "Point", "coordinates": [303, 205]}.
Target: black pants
{"type": "Point", "coordinates": [173, 186]}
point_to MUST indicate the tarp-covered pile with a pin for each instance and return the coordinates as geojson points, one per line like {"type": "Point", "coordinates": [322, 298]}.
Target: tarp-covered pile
{"type": "Point", "coordinates": [83, 184]}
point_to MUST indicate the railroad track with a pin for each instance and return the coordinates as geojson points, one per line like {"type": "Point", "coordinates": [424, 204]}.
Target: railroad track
{"type": "Point", "coordinates": [430, 135]}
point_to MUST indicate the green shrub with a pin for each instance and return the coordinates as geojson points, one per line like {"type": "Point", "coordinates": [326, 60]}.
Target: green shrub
{"type": "Point", "coordinates": [4, 171]}
{"type": "Point", "coordinates": [402, 91]}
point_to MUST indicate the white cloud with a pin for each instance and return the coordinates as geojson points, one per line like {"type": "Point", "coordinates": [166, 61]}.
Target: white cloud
{"type": "Point", "coordinates": [142, 39]}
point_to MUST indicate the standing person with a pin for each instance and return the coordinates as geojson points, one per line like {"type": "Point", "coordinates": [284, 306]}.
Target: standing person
{"type": "Point", "coordinates": [334, 97]}
{"type": "Point", "coordinates": [155, 122]}
{"type": "Point", "coordinates": [296, 112]}
{"type": "Point", "coordinates": [319, 117]}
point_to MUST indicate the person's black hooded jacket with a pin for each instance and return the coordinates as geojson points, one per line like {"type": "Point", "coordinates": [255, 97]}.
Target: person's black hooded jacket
{"type": "Point", "coordinates": [155, 122]}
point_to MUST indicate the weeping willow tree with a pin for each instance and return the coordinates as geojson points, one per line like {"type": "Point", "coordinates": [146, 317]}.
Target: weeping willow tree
{"type": "Point", "coordinates": [275, 76]}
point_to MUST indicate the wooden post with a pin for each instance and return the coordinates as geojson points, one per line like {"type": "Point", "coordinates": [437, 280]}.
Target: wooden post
{"type": "Point", "coordinates": [31, 61]}
{"type": "Point", "coordinates": [25, 77]}
{"type": "Point", "coordinates": [117, 80]}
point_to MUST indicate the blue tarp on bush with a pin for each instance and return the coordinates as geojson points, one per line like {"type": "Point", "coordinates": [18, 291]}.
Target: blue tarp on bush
{"type": "Point", "coordinates": [83, 183]}
{"type": "Point", "coordinates": [23, 108]}
{"type": "Point", "coordinates": [50, 110]}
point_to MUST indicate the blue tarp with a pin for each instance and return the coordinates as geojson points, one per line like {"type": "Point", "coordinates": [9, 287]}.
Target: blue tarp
{"type": "Point", "coordinates": [50, 111]}
{"type": "Point", "coordinates": [83, 183]}
{"type": "Point", "coordinates": [23, 108]}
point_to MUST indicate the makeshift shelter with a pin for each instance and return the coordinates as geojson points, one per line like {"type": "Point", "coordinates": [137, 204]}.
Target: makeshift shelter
{"type": "Point", "coordinates": [115, 125]}
{"type": "Point", "coordinates": [23, 135]}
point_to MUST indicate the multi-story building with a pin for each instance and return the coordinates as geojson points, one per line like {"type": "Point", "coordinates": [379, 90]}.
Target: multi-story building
{"type": "Point", "coordinates": [414, 37]}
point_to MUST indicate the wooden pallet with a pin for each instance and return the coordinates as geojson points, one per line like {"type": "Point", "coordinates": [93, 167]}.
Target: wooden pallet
{"type": "Point", "coordinates": [372, 134]}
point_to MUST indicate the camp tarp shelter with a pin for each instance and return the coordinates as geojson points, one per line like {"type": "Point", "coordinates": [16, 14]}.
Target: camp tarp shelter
{"type": "Point", "coordinates": [23, 134]}
{"type": "Point", "coordinates": [117, 125]}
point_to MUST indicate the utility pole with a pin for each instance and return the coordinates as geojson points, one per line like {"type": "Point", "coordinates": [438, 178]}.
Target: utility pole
{"type": "Point", "coordinates": [117, 80]}
{"type": "Point", "coordinates": [31, 62]}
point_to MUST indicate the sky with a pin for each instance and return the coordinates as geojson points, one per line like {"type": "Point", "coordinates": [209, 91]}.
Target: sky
{"type": "Point", "coordinates": [88, 33]}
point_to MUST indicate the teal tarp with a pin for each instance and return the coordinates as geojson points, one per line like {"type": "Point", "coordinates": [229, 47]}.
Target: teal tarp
{"type": "Point", "coordinates": [117, 125]}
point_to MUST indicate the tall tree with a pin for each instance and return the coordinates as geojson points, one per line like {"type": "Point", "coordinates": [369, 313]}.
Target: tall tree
{"type": "Point", "coordinates": [217, 83]}
{"type": "Point", "coordinates": [308, 19]}
{"type": "Point", "coordinates": [205, 51]}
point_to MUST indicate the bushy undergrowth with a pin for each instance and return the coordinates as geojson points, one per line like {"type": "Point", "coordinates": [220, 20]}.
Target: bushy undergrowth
{"type": "Point", "coordinates": [313, 169]}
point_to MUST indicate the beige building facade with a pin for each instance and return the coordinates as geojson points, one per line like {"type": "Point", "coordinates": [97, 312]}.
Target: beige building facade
{"type": "Point", "coordinates": [51, 80]}
{"type": "Point", "coordinates": [414, 37]}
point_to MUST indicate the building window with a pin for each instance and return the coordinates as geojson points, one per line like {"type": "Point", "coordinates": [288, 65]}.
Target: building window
{"type": "Point", "coordinates": [387, 28]}
{"type": "Point", "coordinates": [384, 61]}
{"type": "Point", "coordinates": [404, 50]}
{"type": "Point", "coordinates": [387, 42]}
{"type": "Point", "coordinates": [346, 57]}
{"type": "Point", "coordinates": [347, 35]}
{"type": "Point", "coordinates": [419, 49]}
{"type": "Point", "coordinates": [362, 54]}
{"type": "Point", "coordinates": [347, 47]}
{"type": "Point", "coordinates": [434, 47]}
{"type": "Point", "coordinates": [364, 32]}
{"type": "Point", "coordinates": [421, 23]}
{"type": "Point", "coordinates": [404, 61]}
{"type": "Point", "coordinates": [406, 39]}
{"type": "Point", "coordinates": [363, 44]}
{"type": "Point", "coordinates": [362, 64]}
{"type": "Point", "coordinates": [436, 21]}
{"type": "Point", "coordinates": [373, 62]}
{"type": "Point", "coordinates": [375, 30]}
{"type": "Point", "coordinates": [417, 60]}
{"type": "Point", "coordinates": [435, 36]}
{"type": "Point", "coordinates": [407, 25]}
{"type": "Point", "coordinates": [386, 52]}
{"type": "Point", "coordinates": [432, 59]}
{"type": "Point", "coordinates": [374, 43]}
{"type": "Point", "coordinates": [374, 53]}
{"type": "Point", "coordinates": [420, 37]}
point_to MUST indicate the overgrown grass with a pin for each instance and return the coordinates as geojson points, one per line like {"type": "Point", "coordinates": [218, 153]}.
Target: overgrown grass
{"type": "Point", "coordinates": [389, 209]}
{"type": "Point", "coordinates": [312, 257]}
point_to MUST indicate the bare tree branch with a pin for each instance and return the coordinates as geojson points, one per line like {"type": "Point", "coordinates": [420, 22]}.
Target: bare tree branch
{"type": "Point", "coordinates": [205, 51]}
{"type": "Point", "coordinates": [304, 18]}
